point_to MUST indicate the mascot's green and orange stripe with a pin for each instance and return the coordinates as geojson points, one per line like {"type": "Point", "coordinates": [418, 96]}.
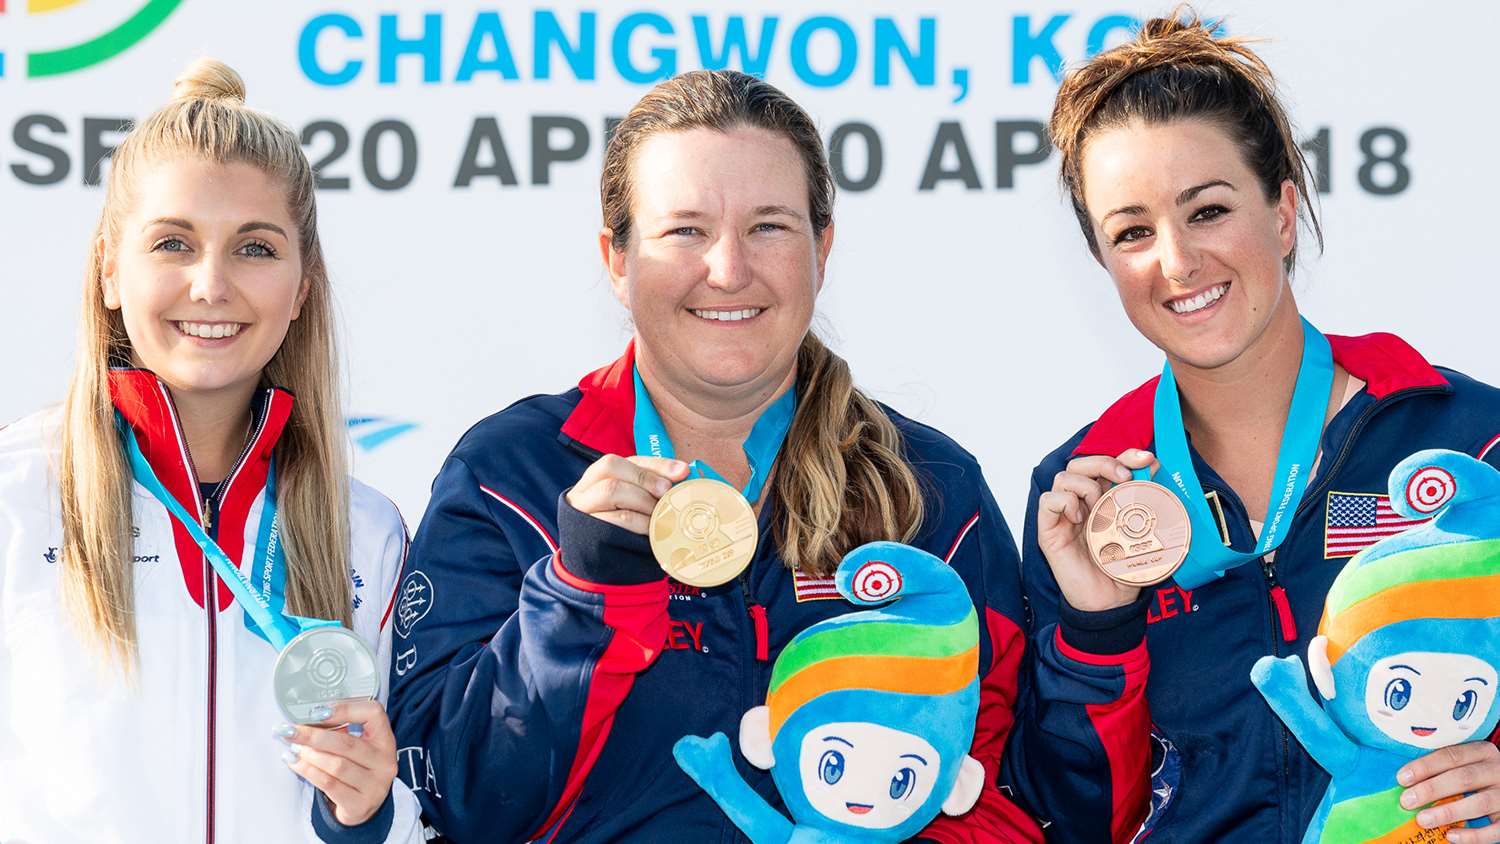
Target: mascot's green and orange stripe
{"type": "Point", "coordinates": [1379, 819]}
{"type": "Point", "coordinates": [1456, 580]}
{"type": "Point", "coordinates": [900, 657]}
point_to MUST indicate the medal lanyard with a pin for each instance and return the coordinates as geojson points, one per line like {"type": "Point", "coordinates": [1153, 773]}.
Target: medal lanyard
{"type": "Point", "coordinates": [1208, 557]}
{"type": "Point", "coordinates": [264, 606]}
{"type": "Point", "coordinates": [765, 439]}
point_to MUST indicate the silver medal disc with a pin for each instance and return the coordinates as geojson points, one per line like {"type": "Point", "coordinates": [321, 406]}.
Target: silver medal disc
{"type": "Point", "coordinates": [321, 667]}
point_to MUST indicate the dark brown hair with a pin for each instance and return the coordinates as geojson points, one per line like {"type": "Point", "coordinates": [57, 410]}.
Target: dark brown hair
{"type": "Point", "coordinates": [841, 479]}
{"type": "Point", "coordinates": [1177, 69]}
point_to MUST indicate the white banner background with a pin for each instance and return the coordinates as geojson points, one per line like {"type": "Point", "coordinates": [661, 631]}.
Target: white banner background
{"type": "Point", "coordinates": [976, 310]}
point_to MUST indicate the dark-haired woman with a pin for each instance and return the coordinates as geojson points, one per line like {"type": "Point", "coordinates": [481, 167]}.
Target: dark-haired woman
{"type": "Point", "coordinates": [1189, 187]}
{"type": "Point", "coordinates": [545, 665]}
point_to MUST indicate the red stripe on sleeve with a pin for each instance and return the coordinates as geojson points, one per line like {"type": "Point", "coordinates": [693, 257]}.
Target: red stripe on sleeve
{"type": "Point", "coordinates": [994, 818]}
{"type": "Point", "coordinates": [637, 615]}
{"type": "Point", "coordinates": [1124, 729]}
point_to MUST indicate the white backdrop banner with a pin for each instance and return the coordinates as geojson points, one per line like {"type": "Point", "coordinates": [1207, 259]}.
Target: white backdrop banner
{"type": "Point", "coordinates": [458, 147]}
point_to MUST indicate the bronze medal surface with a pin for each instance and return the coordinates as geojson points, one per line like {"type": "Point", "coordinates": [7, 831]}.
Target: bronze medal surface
{"type": "Point", "coordinates": [703, 532]}
{"type": "Point", "coordinates": [1138, 533]}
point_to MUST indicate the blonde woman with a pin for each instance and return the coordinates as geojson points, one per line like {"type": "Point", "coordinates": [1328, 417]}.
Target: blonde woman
{"type": "Point", "coordinates": [135, 691]}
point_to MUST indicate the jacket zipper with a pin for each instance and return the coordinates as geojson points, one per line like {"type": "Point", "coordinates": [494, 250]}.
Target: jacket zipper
{"type": "Point", "coordinates": [211, 599]}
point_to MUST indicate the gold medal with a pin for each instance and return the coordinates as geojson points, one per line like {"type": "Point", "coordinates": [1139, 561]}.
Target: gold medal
{"type": "Point", "coordinates": [1138, 533]}
{"type": "Point", "coordinates": [703, 532]}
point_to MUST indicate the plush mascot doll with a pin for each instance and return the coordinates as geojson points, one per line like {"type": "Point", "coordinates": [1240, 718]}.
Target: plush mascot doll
{"type": "Point", "coordinates": [869, 717]}
{"type": "Point", "coordinates": [1408, 651]}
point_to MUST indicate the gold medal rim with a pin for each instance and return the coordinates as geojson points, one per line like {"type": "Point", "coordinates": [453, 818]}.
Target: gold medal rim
{"type": "Point", "coordinates": [736, 565]}
{"type": "Point", "coordinates": [1178, 511]}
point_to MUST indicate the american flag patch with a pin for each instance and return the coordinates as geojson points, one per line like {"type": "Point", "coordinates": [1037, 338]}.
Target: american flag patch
{"type": "Point", "coordinates": [1357, 520]}
{"type": "Point", "coordinates": [809, 588]}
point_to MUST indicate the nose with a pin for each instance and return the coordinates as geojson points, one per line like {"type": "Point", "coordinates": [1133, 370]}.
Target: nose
{"type": "Point", "coordinates": [210, 281]}
{"type": "Point", "coordinates": [1178, 255]}
{"type": "Point", "coordinates": [728, 265]}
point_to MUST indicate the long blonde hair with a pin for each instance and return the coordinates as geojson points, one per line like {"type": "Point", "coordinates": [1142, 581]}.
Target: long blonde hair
{"type": "Point", "coordinates": [207, 120]}
{"type": "Point", "coordinates": [842, 478]}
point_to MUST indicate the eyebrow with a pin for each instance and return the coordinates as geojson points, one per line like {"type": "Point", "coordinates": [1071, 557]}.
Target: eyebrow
{"type": "Point", "coordinates": [837, 739]}
{"type": "Point", "coordinates": [171, 221]}
{"type": "Point", "coordinates": [261, 225]}
{"type": "Point", "coordinates": [1479, 679]}
{"type": "Point", "coordinates": [1408, 668]}
{"type": "Point", "coordinates": [914, 756]}
{"type": "Point", "coordinates": [782, 210]}
{"type": "Point", "coordinates": [1182, 199]}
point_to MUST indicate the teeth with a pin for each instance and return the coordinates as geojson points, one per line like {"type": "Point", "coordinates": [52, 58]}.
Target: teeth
{"type": "Point", "coordinates": [728, 316]}
{"type": "Point", "coordinates": [1199, 302]}
{"type": "Point", "coordinates": [210, 331]}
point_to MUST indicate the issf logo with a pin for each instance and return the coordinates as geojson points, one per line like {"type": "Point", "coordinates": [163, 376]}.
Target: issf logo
{"type": "Point", "coordinates": [105, 36]}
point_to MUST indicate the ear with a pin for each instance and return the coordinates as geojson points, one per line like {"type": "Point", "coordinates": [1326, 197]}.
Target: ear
{"type": "Point", "coordinates": [301, 297]}
{"type": "Point", "coordinates": [108, 267]}
{"type": "Point", "coordinates": [1319, 667]}
{"type": "Point", "coordinates": [1286, 216]}
{"type": "Point", "coordinates": [966, 788]}
{"type": "Point", "coordinates": [825, 246]}
{"type": "Point", "coordinates": [755, 738]}
{"type": "Point", "coordinates": [614, 264]}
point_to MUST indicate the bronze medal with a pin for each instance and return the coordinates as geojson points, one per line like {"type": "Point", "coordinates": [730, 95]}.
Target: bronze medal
{"type": "Point", "coordinates": [703, 532]}
{"type": "Point", "coordinates": [1138, 533]}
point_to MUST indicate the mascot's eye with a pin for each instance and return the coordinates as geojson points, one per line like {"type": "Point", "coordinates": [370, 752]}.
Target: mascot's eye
{"type": "Point", "coordinates": [831, 767]}
{"type": "Point", "coordinates": [1397, 693]}
{"type": "Point", "coordinates": [1464, 704]}
{"type": "Point", "coordinates": [902, 783]}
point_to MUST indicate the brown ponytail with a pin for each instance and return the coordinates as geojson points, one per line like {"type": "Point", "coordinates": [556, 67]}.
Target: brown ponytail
{"type": "Point", "coordinates": [1177, 69]}
{"type": "Point", "coordinates": [841, 478]}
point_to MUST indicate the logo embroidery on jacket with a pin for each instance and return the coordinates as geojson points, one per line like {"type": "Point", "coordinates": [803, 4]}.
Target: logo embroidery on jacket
{"type": "Point", "coordinates": [414, 603]}
{"type": "Point", "coordinates": [1171, 600]}
{"type": "Point", "coordinates": [1356, 520]}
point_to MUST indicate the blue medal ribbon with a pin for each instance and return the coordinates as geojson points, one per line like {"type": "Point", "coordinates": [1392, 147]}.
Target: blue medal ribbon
{"type": "Point", "coordinates": [1208, 558]}
{"type": "Point", "coordinates": [264, 605]}
{"type": "Point", "coordinates": [761, 447]}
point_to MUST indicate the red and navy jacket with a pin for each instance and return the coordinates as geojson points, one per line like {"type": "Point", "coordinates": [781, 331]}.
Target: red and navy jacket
{"type": "Point", "coordinates": [1228, 770]}
{"type": "Point", "coordinates": [544, 665]}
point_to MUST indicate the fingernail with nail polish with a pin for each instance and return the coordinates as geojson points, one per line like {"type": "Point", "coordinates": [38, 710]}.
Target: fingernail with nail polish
{"type": "Point", "coordinates": [322, 713]}
{"type": "Point", "coordinates": [285, 731]}
{"type": "Point", "coordinates": [355, 730]}
{"type": "Point", "coordinates": [288, 757]}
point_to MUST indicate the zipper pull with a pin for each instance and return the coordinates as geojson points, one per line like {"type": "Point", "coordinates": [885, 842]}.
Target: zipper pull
{"type": "Point", "coordinates": [762, 632]}
{"type": "Point", "coordinates": [1284, 614]}
{"type": "Point", "coordinates": [208, 518]}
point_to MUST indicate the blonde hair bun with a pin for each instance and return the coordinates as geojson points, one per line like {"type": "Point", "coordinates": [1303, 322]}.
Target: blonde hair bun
{"type": "Point", "coordinates": [209, 79]}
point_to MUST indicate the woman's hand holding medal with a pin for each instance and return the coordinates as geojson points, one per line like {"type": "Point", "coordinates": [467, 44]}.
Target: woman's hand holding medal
{"type": "Point", "coordinates": [1061, 530]}
{"type": "Point", "coordinates": [624, 490]}
{"type": "Point", "coordinates": [350, 757]}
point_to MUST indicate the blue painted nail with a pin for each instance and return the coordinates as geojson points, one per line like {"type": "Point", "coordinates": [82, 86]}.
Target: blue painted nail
{"type": "Point", "coordinates": [284, 732]}
{"type": "Point", "coordinates": [322, 713]}
{"type": "Point", "coordinates": [288, 757]}
{"type": "Point", "coordinates": [355, 730]}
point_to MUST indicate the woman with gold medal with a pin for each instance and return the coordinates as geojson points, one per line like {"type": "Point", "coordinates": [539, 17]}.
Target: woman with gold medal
{"type": "Point", "coordinates": [606, 570]}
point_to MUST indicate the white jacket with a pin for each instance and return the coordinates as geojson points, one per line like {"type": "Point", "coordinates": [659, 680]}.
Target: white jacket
{"type": "Point", "coordinates": [185, 751]}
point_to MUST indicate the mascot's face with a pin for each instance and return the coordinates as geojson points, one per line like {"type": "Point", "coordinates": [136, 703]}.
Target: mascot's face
{"type": "Point", "coordinates": [1430, 700]}
{"type": "Point", "coordinates": [867, 775]}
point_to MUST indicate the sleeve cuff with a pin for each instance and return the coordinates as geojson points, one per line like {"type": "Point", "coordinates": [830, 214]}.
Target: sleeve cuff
{"type": "Point", "coordinates": [600, 552]}
{"type": "Point", "coordinates": [1107, 632]}
{"type": "Point", "coordinates": [373, 831]}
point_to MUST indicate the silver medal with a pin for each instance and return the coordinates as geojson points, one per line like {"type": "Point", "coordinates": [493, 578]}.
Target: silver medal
{"type": "Point", "coordinates": [321, 667]}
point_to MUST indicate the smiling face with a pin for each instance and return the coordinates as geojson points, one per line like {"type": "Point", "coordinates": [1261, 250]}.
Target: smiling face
{"type": "Point", "coordinates": [867, 775]}
{"type": "Point", "coordinates": [722, 266]}
{"type": "Point", "coordinates": [206, 274]}
{"type": "Point", "coordinates": [1430, 700]}
{"type": "Point", "coordinates": [1186, 232]}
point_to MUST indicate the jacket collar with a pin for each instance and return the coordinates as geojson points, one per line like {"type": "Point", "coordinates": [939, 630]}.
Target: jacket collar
{"type": "Point", "coordinates": [1385, 362]}
{"type": "Point", "coordinates": [604, 419]}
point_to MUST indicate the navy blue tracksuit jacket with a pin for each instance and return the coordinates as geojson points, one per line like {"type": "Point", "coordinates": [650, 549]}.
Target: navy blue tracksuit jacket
{"type": "Point", "coordinates": [1228, 770]}
{"type": "Point", "coordinates": [543, 664]}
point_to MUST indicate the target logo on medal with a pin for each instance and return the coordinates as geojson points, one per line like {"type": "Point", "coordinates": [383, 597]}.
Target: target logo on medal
{"type": "Point", "coordinates": [323, 666]}
{"type": "Point", "coordinates": [1138, 533]}
{"type": "Point", "coordinates": [104, 39]}
{"type": "Point", "coordinates": [703, 533]}
{"type": "Point", "coordinates": [876, 581]}
{"type": "Point", "coordinates": [1430, 488]}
